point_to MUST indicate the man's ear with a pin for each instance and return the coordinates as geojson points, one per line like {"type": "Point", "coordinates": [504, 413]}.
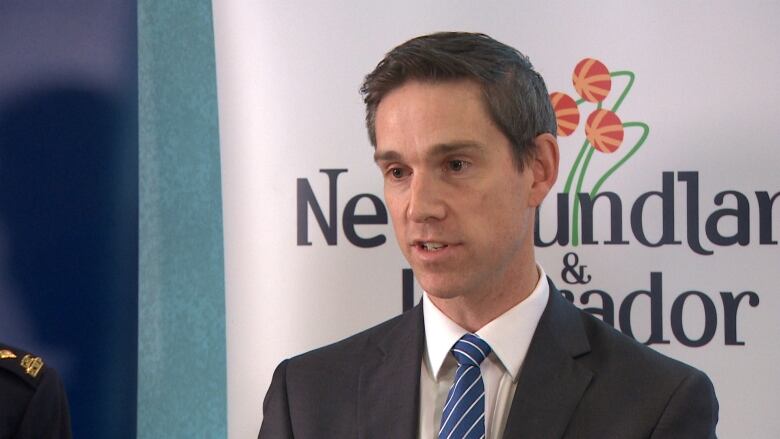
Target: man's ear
{"type": "Point", "coordinates": [543, 167]}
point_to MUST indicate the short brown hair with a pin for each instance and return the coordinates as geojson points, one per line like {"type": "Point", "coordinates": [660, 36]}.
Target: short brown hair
{"type": "Point", "coordinates": [515, 95]}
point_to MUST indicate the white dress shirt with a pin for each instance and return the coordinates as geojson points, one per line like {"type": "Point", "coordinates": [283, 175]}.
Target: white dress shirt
{"type": "Point", "coordinates": [509, 336]}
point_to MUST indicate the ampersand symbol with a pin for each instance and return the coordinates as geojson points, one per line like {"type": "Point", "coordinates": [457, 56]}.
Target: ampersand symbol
{"type": "Point", "coordinates": [572, 273]}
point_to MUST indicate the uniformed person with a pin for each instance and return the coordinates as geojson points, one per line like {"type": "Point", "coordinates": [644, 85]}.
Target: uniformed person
{"type": "Point", "coordinates": [33, 404]}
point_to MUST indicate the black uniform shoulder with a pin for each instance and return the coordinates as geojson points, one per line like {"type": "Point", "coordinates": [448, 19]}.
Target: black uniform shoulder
{"type": "Point", "coordinates": [33, 402]}
{"type": "Point", "coordinates": [22, 366]}
{"type": "Point", "coordinates": [29, 393]}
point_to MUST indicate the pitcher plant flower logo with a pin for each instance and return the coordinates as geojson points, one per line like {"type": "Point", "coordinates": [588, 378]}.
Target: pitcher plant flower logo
{"type": "Point", "coordinates": [604, 130]}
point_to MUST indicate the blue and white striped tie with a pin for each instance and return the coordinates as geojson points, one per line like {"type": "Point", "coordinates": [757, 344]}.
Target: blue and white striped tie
{"type": "Point", "coordinates": [464, 412]}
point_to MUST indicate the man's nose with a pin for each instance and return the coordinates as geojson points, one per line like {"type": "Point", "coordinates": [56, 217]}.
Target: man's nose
{"type": "Point", "coordinates": [426, 202]}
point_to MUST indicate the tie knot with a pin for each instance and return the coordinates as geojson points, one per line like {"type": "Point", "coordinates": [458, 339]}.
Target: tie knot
{"type": "Point", "coordinates": [470, 350]}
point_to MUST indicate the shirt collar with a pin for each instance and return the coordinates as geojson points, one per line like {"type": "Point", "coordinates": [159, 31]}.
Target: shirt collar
{"type": "Point", "coordinates": [508, 335]}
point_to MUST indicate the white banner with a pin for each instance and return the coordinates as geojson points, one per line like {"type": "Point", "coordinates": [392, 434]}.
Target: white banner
{"type": "Point", "coordinates": [680, 248]}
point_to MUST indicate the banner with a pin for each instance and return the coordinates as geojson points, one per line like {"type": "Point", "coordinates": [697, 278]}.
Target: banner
{"type": "Point", "coordinates": [666, 228]}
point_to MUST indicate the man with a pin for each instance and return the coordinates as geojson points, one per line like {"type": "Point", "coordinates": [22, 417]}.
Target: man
{"type": "Point", "coordinates": [33, 404]}
{"type": "Point", "coordinates": [463, 132]}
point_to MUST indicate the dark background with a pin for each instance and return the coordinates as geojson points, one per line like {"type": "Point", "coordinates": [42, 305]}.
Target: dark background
{"type": "Point", "coordinates": [69, 200]}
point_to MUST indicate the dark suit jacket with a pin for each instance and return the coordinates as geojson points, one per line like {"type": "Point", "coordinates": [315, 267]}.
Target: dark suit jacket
{"type": "Point", "coordinates": [581, 379]}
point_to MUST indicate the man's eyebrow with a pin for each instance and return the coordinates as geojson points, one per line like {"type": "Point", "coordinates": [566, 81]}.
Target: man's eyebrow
{"type": "Point", "coordinates": [439, 149]}
{"type": "Point", "coordinates": [386, 156]}
{"type": "Point", "coordinates": [457, 146]}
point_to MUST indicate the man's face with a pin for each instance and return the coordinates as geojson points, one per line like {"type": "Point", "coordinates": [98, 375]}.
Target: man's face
{"type": "Point", "coordinates": [462, 212]}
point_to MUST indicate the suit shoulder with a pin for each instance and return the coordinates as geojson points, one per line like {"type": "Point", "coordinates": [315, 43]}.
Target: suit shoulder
{"type": "Point", "coordinates": [615, 350]}
{"type": "Point", "coordinates": [632, 390]}
{"type": "Point", "coordinates": [352, 347]}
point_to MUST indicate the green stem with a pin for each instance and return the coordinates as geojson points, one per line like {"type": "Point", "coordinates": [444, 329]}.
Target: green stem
{"type": "Point", "coordinates": [630, 84]}
{"type": "Point", "coordinates": [575, 219]}
{"type": "Point", "coordinates": [639, 143]}
{"type": "Point", "coordinates": [615, 107]}
{"type": "Point", "coordinates": [576, 204]}
{"type": "Point", "coordinates": [573, 170]}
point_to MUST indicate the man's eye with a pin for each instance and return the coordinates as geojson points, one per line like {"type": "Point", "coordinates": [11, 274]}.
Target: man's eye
{"type": "Point", "coordinates": [457, 165]}
{"type": "Point", "coordinates": [397, 173]}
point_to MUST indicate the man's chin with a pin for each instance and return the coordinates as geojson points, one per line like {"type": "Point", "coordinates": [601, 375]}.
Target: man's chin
{"type": "Point", "coordinates": [442, 284]}
{"type": "Point", "coordinates": [442, 290]}
{"type": "Point", "coordinates": [442, 295]}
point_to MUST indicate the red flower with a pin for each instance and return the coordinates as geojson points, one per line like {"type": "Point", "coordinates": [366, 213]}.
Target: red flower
{"type": "Point", "coordinates": [591, 80]}
{"type": "Point", "coordinates": [604, 130]}
{"type": "Point", "coordinates": [566, 113]}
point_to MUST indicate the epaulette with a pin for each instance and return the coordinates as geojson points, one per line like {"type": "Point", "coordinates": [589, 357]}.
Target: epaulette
{"type": "Point", "coordinates": [26, 366]}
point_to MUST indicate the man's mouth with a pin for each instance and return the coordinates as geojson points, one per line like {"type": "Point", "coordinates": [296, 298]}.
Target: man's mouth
{"type": "Point", "coordinates": [432, 246]}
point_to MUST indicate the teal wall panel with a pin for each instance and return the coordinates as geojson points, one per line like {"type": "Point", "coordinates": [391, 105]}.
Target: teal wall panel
{"type": "Point", "coordinates": [181, 358]}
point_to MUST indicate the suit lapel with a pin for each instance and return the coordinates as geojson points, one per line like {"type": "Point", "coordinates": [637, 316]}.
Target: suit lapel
{"type": "Point", "coordinates": [551, 382]}
{"type": "Point", "coordinates": [389, 383]}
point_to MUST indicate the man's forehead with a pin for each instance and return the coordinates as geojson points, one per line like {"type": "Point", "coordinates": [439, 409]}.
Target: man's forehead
{"type": "Point", "coordinates": [454, 107]}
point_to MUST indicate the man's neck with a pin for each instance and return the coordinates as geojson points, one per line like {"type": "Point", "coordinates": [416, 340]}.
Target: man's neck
{"type": "Point", "coordinates": [473, 311]}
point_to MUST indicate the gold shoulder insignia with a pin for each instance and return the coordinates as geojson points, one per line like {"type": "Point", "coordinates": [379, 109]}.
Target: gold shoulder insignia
{"type": "Point", "coordinates": [32, 365]}
{"type": "Point", "coordinates": [5, 353]}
